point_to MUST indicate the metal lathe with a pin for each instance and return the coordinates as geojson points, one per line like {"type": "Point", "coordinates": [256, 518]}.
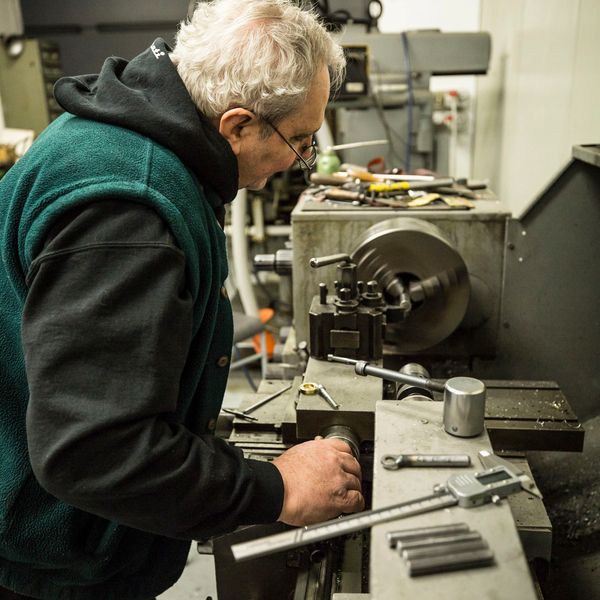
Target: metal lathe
{"type": "Point", "coordinates": [396, 314]}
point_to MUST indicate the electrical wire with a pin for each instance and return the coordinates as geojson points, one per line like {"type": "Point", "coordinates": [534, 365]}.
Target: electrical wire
{"type": "Point", "coordinates": [408, 69]}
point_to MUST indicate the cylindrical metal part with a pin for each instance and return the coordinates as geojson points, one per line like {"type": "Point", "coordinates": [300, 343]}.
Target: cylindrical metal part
{"type": "Point", "coordinates": [408, 389]}
{"type": "Point", "coordinates": [315, 263]}
{"type": "Point", "coordinates": [342, 359]}
{"type": "Point", "coordinates": [438, 564]}
{"type": "Point", "coordinates": [346, 434]}
{"type": "Point", "coordinates": [424, 185]}
{"type": "Point", "coordinates": [239, 413]}
{"type": "Point", "coordinates": [362, 367]}
{"type": "Point", "coordinates": [323, 293]}
{"type": "Point", "coordinates": [444, 549]}
{"type": "Point", "coordinates": [393, 537]}
{"type": "Point", "coordinates": [464, 406]}
{"type": "Point", "coordinates": [280, 262]}
{"type": "Point", "coordinates": [270, 397]}
{"type": "Point", "coordinates": [346, 274]}
{"type": "Point", "coordinates": [327, 397]}
{"type": "Point", "coordinates": [438, 540]}
{"type": "Point", "coordinates": [398, 251]}
{"type": "Point", "coordinates": [264, 262]}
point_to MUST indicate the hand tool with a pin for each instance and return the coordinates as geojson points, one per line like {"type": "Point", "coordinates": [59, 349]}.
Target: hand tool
{"type": "Point", "coordinates": [427, 199]}
{"type": "Point", "coordinates": [345, 168]}
{"type": "Point", "coordinates": [410, 185]}
{"type": "Point", "coordinates": [238, 413]}
{"type": "Point", "coordinates": [311, 389]}
{"type": "Point", "coordinates": [472, 184]}
{"type": "Point", "coordinates": [357, 173]}
{"type": "Point", "coordinates": [465, 490]}
{"type": "Point", "coordinates": [458, 192]}
{"type": "Point", "coordinates": [258, 404]}
{"type": "Point", "coordinates": [393, 462]}
{"type": "Point", "coordinates": [333, 179]}
{"type": "Point", "coordinates": [345, 195]}
{"type": "Point", "coordinates": [327, 396]}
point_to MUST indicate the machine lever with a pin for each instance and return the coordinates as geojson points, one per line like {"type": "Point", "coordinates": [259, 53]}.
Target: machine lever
{"type": "Point", "coordinates": [315, 263]}
{"type": "Point", "coordinates": [362, 367]}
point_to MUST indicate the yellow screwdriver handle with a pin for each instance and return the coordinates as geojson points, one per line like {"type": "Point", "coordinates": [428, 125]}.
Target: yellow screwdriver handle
{"type": "Point", "coordinates": [389, 187]}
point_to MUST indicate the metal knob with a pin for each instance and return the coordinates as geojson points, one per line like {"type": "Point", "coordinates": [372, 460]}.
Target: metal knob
{"type": "Point", "coordinates": [345, 434]}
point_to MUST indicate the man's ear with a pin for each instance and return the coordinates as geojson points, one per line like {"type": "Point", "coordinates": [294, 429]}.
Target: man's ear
{"type": "Point", "coordinates": [234, 124]}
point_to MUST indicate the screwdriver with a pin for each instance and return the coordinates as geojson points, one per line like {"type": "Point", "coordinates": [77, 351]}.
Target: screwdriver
{"type": "Point", "coordinates": [345, 195]}
{"type": "Point", "coordinates": [412, 185]}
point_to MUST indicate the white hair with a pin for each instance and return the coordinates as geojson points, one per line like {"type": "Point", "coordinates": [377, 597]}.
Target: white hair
{"type": "Point", "coordinates": [258, 54]}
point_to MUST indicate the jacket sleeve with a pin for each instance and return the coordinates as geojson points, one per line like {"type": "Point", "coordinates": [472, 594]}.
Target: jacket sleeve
{"type": "Point", "coordinates": [106, 331]}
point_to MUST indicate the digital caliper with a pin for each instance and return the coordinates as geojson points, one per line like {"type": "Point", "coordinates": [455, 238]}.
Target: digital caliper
{"type": "Point", "coordinates": [499, 479]}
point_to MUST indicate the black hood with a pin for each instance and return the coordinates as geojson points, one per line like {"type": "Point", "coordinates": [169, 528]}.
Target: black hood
{"type": "Point", "coordinates": [147, 95]}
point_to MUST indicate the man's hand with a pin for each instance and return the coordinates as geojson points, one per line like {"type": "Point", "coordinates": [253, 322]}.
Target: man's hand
{"type": "Point", "coordinates": [321, 480]}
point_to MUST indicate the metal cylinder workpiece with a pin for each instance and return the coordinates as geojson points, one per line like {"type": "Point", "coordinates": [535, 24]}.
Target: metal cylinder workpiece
{"type": "Point", "coordinates": [464, 406]}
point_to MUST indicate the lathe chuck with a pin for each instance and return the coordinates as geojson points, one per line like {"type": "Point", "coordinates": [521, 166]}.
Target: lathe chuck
{"type": "Point", "coordinates": [411, 258]}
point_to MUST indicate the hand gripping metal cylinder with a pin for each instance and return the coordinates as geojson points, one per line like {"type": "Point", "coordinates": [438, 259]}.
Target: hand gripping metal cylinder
{"type": "Point", "coordinates": [346, 434]}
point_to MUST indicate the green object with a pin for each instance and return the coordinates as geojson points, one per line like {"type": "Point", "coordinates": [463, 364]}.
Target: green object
{"type": "Point", "coordinates": [328, 162]}
{"type": "Point", "coordinates": [49, 548]}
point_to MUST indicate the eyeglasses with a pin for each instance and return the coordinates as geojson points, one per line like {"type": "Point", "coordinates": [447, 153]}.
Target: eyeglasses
{"type": "Point", "coordinates": [306, 164]}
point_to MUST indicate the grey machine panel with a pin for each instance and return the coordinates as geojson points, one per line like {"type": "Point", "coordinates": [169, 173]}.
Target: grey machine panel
{"type": "Point", "coordinates": [432, 51]}
{"type": "Point", "coordinates": [88, 32]}
{"type": "Point", "coordinates": [550, 327]}
{"type": "Point", "coordinates": [415, 426]}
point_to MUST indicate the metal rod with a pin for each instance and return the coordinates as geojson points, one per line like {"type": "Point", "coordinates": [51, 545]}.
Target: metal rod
{"type": "Point", "coordinates": [327, 397]}
{"type": "Point", "coordinates": [323, 261]}
{"type": "Point", "coordinates": [462, 560]}
{"type": "Point", "coordinates": [258, 404]}
{"type": "Point", "coordinates": [439, 540]}
{"type": "Point", "coordinates": [362, 367]}
{"type": "Point", "coordinates": [444, 549]}
{"type": "Point", "coordinates": [357, 145]}
{"type": "Point", "coordinates": [238, 413]}
{"type": "Point", "coordinates": [393, 537]}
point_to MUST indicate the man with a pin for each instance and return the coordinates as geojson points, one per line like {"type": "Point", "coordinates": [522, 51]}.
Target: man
{"type": "Point", "coordinates": [115, 329]}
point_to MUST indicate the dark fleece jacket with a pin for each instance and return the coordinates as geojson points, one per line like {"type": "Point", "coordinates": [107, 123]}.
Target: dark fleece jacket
{"type": "Point", "coordinates": [114, 340]}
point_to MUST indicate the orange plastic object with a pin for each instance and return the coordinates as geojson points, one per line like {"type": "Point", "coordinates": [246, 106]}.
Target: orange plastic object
{"type": "Point", "coordinates": [265, 315]}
